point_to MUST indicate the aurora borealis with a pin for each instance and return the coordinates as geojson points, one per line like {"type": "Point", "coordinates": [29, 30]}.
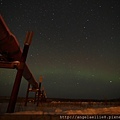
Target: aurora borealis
{"type": "Point", "coordinates": [76, 46]}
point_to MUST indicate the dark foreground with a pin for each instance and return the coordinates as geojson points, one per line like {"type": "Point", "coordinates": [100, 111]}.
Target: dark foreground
{"type": "Point", "coordinates": [62, 109]}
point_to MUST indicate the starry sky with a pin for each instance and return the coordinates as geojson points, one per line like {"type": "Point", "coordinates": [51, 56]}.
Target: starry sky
{"type": "Point", "coordinates": [76, 46]}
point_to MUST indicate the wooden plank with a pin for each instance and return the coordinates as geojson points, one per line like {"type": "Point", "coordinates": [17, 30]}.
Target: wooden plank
{"type": "Point", "coordinates": [9, 65]}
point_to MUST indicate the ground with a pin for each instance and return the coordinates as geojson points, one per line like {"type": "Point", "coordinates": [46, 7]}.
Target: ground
{"type": "Point", "coordinates": [54, 110]}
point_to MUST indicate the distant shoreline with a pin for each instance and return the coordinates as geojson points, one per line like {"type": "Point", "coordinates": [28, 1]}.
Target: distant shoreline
{"type": "Point", "coordinates": [6, 99]}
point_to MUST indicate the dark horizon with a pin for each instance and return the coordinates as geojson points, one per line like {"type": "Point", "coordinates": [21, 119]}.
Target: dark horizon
{"type": "Point", "coordinates": [50, 99]}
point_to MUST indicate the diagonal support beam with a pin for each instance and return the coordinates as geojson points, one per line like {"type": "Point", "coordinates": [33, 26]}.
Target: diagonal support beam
{"type": "Point", "coordinates": [15, 90]}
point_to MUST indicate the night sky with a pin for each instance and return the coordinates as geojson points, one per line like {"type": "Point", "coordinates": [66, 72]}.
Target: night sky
{"type": "Point", "coordinates": [76, 46]}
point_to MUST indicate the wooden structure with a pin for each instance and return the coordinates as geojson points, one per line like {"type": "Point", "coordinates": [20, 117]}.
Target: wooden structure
{"type": "Point", "coordinates": [15, 90]}
{"type": "Point", "coordinates": [11, 56]}
{"type": "Point", "coordinates": [19, 65]}
{"type": "Point", "coordinates": [39, 93]}
{"type": "Point", "coordinates": [10, 51]}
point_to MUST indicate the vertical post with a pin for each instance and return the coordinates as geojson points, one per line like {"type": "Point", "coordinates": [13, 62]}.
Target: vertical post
{"type": "Point", "coordinates": [26, 99]}
{"type": "Point", "coordinates": [39, 92]}
{"type": "Point", "coordinates": [15, 90]}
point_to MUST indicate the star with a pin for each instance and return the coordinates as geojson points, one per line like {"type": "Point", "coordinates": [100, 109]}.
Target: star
{"type": "Point", "coordinates": [74, 44]}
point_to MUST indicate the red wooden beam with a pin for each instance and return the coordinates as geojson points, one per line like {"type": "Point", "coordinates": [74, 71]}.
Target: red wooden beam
{"type": "Point", "coordinates": [15, 90]}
